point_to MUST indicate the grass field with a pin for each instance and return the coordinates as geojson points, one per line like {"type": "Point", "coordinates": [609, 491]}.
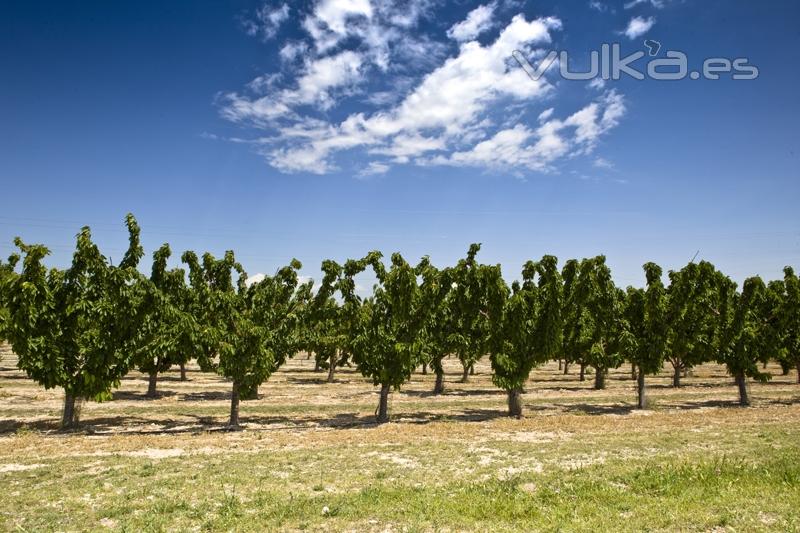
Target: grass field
{"type": "Point", "coordinates": [311, 458]}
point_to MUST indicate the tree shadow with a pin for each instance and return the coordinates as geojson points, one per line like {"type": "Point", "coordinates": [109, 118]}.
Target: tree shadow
{"type": "Point", "coordinates": [205, 396]}
{"type": "Point", "coordinates": [537, 386]}
{"type": "Point", "coordinates": [731, 403]}
{"type": "Point", "coordinates": [109, 425]}
{"type": "Point", "coordinates": [141, 396]}
{"type": "Point", "coordinates": [595, 409]}
{"type": "Point", "coordinates": [452, 392]}
{"type": "Point", "coordinates": [465, 415]}
{"type": "Point", "coordinates": [322, 380]}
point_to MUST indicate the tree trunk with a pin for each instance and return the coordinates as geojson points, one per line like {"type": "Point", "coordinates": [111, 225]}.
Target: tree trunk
{"type": "Point", "coordinates": [383, 407]}
{"type": "Point", "coordinates": [599, 378]}
{"type": "Point", "coordinates": [566, 367]}
{"type": "Point", "coordinates": [744, 389]}
{"type": "Point", "coordinates": [676, 376]}
{"type": "Point", "coordinates": [233, 423]}
{"type": "Point", "coordinates": [72, 411]}
{"type": "Point", "coordinates": [465, 374]}
{"type": "Point", "coordinates": [439, 387]}
{"type": "Point", "coordinates": [641, 390]}
{"type": "Point", "coordinates": [472, 369]}
{"type": "Point", "coordinates": [151, 384]}
{"type": "Point", "coordinates": [424, 369]}
{"type": "Point", "coordinates": [633, 371]}
{"type": "Point", "coordinates": [559, 364]}
{"type": "Point", "coordinates": [798, 371]}
{"type": "Point", "coordinates": [515, 403]}
{"type": "Point", "coordinates": [332, 366]}
{"type": "Point", "coordinates": [183, 371]}
{"type": "Point", "coordinates": [583, 372]}
{"type": "Point", "coordinates": [317, 368]}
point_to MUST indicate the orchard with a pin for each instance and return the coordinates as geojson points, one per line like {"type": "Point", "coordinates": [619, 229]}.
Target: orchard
{"type": "Point", "coordinates": [84, 327]}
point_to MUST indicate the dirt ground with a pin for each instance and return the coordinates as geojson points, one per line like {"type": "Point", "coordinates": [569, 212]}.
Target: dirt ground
{"type": "Point", "coordinates": [317, 443]}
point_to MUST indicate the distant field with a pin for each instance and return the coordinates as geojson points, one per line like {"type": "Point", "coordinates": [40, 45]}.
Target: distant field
{"type": "Point", "coordinates": [311, 458]}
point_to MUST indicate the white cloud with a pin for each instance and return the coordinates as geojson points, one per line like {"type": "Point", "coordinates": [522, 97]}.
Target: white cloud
{"type": "Point", "coordinates": [403, 147]}
{"type": "Point", "coordinates": [255, 278]}
{"type": "Point", "coordinates": [292, 50]}
{"type": "Point", "coordinates": [638, 26]}
{"type": "Point", "coordinates": [322, 75]}
{"type": "Point", "coordinates": [267, 21]}
{"type": "Point", "coordinates": [436, 104]}
{"type": "Point", "coordinates": [547, 113]}
{"type": "Point", "coordinates": [596, 119]}
{"type": "Point", "coordinates": [658, 4]}
{"type": "Point", "coordinates": [313, 87]}
{"type": "Point", "coordinates": [537, 150]}
{"type": "Point", "coordinates": [331, 20]}
{"type": "Point", "coordinates": [478, 21]}
{"type": "Point", "coordinates": [598, 6]}
{"type": "Point", "coordinates": [448, 101]}
{"type": "Point", "coordinates": [603, 163]}
{"type": "Point", "coordinates": [374, 168]}
{"type": "Point", "coordinates": [597, 83]}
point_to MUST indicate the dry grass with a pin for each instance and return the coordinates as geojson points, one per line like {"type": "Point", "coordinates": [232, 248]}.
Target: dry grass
{"type": "Point", "coordinates": [453, 461]}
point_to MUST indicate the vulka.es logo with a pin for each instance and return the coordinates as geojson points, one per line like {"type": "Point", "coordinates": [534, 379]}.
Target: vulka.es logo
{"type": "Point", "coordinates": [608, 64]}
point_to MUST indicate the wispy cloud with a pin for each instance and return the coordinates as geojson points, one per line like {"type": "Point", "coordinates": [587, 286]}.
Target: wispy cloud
{"type": "Point", "coordinates": [598, 6]}
{"type": "Point", "coordinates": [603, 163]}
{"type": "Point", "coordinates": [478, 21]}
{"type": "Point", "coordinates": [267, 21]}
{"type": "Point", "coordinates": [638, 26]}
{"type": "Point", "coordinates": [450, 109]}
{"type": "Point", "coordinates": [658, 4]}
{"type": "Point", "coordinates": [374, 168]}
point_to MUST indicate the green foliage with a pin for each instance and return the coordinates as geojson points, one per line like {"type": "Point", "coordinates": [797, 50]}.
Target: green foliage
{"type": "Point", "coordinates": [82, 328]}
{"type": "Point", "coordinates": [690, 306]}
{"type": "Point", "coordinates": [744, 323]}
{"type": "Point", "coordinates": [785, 298]}
{"type": "Point", "coordinates": [388, 344]}
{"type": "Point", "coordinates": [75, 328]}
{"type": "Point", "coordinates": [326, 322]}
{"type": "Point", "coordinates": [438, 331]}
{"type": "Point", "coordinates": [473, 285]}
{"type": "Point", "coordinates": [246, 332]}
{"type": "Point", "coordinates": [644, 336]}
{"type": "Point", "coordinates": [168, 333]}
{"type": "Point", "coordinates": [7, 276]}
{"type": "Point", "coordinates": [527, 331]}
{"type": "Point", "coordinates": [592, 310]}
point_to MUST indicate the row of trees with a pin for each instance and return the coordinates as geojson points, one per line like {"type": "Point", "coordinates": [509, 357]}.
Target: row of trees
{"type": "Point", "coordinates": [84, 327]}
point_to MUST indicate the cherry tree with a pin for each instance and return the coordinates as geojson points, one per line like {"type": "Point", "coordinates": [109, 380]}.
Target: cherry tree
{"type": "Point", "coordinates": [592, 309]}
{"type": "Point", "coordinates": [788, 313]}
{"type": "Point", "coordinates": [76, 328]}
{"type": "Point", "coordinates": [744, 334]}
{"type": "Point", "coordinates": [388, 338]}
{"type": "Point", "coordinates": [469, 323]}
{"type": "Point", "coordinates": [643, 336]}
{"type": "Point", "coordinates": [436, 289]}
{"type": "Point", "coordinates": [168, 331]}
{"type": "Point", "coordinates": [604, 303]}
{"type": "Point", "coordinates": [247, 331]}
{"type": "Point", "coordinates": [690, 317]}
{"type": "Point", "coordinates": [7, 275]}
{"type": "Point", "coordinates": [526, 327]}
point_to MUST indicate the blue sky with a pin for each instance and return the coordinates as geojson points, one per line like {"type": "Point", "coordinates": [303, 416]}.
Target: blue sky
{"type": "Point", "coordinates": [324, 129]}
